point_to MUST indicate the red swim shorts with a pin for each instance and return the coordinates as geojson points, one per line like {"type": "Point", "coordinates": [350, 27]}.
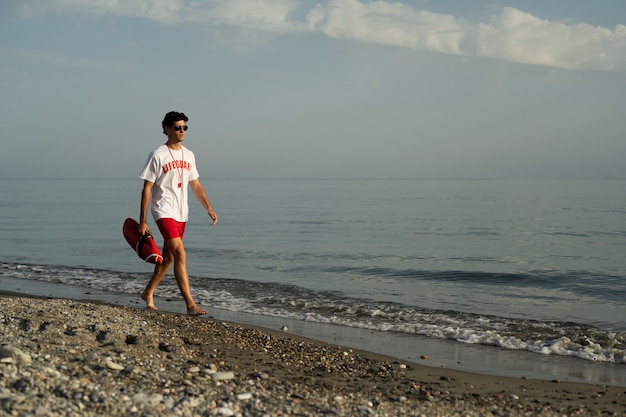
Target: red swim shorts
{"type": "Point", "coordinates": [171, 229]}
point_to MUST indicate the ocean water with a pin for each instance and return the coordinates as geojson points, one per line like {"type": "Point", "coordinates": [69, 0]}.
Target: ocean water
{"type": "Point", "coordinates": [532, 265]}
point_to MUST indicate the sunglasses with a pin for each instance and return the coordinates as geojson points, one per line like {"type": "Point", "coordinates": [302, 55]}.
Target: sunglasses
{"type": "Point", "coordinates": [178, 128]}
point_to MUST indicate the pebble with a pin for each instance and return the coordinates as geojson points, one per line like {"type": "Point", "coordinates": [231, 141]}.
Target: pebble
{"type": "Point", "coordinates": [17, 356]}
{"type": "Point", "coordinates": [114, 366]}
{"type": "Point", "coordinates": [244, 396]}
{"type": "Point", "coordinates": [151, 399]}
{"type": "Point", "coordinates": [48, 368]}
{"type": "Point", "coordinates": [222, 376]}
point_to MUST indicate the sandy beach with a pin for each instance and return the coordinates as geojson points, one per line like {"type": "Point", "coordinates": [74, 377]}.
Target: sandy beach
{"type": "Point", "coordinates": [63, 357]}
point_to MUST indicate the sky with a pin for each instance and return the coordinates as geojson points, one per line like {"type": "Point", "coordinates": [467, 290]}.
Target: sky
{"type": "Point", "coordinates": [316, 89]}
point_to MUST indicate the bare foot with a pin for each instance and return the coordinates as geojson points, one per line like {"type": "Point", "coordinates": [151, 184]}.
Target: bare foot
{"type": "Point", "coordinates": [196, 311]}
{"type": "Point", "coordinates": [149, 301]}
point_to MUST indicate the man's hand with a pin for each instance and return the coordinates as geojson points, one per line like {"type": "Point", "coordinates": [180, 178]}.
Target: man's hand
{"type": "Point", "coordinates": [213, 216]}
{"type": "Point", "coordinates": [144, 228]}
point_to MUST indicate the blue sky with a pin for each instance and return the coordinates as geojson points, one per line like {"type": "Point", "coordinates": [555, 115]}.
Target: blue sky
{"type": "Point", "coordinates": [335, 88]}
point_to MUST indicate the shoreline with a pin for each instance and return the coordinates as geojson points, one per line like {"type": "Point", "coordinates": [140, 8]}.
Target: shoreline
{"type": "Point", "coordinates": [440, 353]}
{"type": "Point", "coordinates": [73, 356]}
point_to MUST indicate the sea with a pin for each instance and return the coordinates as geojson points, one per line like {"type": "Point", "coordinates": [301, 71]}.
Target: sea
{"type": "Point", "coordinates": [530, 265]}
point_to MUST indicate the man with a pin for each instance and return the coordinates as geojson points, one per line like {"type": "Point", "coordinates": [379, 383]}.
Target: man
{"type": "Point", "coordinates": [166, 174]}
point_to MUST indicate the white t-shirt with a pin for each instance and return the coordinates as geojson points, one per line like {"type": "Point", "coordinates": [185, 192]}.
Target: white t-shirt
{"type": "Point", "coordinates": [167, 169]}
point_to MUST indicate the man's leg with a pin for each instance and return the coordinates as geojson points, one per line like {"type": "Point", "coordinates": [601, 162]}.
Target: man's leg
{"type": "Point", "coordinates": [177, 248]}
{"type": "Point", "coordinates": [159, 272]}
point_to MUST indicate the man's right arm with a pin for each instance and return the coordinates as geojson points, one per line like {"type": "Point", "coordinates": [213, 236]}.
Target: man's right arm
{"type": "Point", "coordinates": [146, 193]}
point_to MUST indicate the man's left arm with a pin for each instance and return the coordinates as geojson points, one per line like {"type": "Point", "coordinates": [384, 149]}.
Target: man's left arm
{"type": "Point", "coordinates": [198, 191]}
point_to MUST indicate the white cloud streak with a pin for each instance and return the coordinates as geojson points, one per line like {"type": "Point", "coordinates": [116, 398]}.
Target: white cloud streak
{"type": "Point", "coordinates": [520, 37]}
{"type": "Point", "coordinates": [388, 23]}
{"type": "Point", "coordinates": [269, 15]}
{"type": "Point", "coordinates": [511, 35]}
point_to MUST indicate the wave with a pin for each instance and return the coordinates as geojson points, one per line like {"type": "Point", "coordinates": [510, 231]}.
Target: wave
{"type": "Point", "coordinates": [608, 287]}
{"type": "Point", "coordinates": [295, 302]}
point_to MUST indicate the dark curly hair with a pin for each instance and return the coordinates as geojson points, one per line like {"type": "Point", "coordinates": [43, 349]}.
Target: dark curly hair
{"type": "Point", "coordinates": [172, 117]}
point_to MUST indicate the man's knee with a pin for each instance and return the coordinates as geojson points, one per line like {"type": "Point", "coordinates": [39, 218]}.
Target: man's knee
{"type": "Point", "coordinates": [180, 255]}
{"type": "Point", "coordinates": [168, 258]}
{"type": "Point", "coordinates": [176, 249]}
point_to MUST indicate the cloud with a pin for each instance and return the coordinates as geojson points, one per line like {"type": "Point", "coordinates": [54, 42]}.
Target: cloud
{"type": "Point", "coordinates": [389, 24]}
{"type": "Point", "coordinates": [517, 36]}
{"type": "Point", "coordinates": [510, 35]}
{"type": "Point", "coordinates": [163, 11]}
{"type": "Point", "coordinates": [269, 15]}
{"type": "Point", "coordinates": [266, 15]}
